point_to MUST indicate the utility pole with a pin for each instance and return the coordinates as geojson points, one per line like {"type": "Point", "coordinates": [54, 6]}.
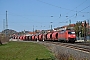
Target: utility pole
{"type": "Point", "coordinates": [51, 26]}
{"type": "Point", "coordinates": [6, 21]}
{"type": "Point", "coordinates": [69, 22]}
{"type": "Point", "coordinates": [6, 25]}
{"type": "Point", "coordinates": [33, 29]}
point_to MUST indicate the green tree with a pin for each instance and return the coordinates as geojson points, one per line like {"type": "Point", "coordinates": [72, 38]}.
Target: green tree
{"type": "Point", "coordinates": [79, 29]}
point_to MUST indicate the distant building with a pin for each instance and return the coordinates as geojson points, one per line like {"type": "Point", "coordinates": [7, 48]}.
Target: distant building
{"type": "Point", "coordinates": [70, 26]}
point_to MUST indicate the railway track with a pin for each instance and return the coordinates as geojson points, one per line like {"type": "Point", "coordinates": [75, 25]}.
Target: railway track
{"type": "Point", "coordinates": [80, 47]}
{"type": "Point", "coordinates": [83, 43]}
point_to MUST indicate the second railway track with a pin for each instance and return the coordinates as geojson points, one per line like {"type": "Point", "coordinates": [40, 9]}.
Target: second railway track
{"type": "Point", "coordinates": [80, 47]}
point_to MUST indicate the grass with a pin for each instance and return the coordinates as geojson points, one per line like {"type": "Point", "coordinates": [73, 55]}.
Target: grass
{"type": "Point", "coordinates": [24, 51]}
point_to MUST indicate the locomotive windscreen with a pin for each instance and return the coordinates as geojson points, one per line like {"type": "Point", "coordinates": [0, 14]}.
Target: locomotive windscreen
{"type": "Point", "coordinates": [71, 32]}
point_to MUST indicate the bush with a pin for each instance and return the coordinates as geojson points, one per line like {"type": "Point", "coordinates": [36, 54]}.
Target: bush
{"type": "Point", "coordinates": [3, 38]}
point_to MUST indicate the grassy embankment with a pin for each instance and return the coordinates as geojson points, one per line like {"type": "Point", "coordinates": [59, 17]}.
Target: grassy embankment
{"type": "Point", "coordinates": [24, 51]}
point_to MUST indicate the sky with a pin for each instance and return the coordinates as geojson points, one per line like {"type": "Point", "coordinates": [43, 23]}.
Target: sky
{"type": "Point", "coordinates": [38, 14]}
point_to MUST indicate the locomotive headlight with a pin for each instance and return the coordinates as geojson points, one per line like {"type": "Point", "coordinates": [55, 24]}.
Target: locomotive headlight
{"type": "Point", "coordinates": [73, 35]}
{"type": "Point", "coordinates": [68, 35]}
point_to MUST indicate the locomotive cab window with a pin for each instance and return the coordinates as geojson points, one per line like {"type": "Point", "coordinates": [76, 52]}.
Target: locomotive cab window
{"type": "Point", "coordinates": [71, 32]}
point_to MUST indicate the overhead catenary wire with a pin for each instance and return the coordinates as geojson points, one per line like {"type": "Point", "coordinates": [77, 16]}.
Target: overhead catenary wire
{"type": "Point", "coordinates": [55, 5]}
{"type": "Point", "coordinates": [60, 14]}
{"type": "Point", "coordinates": [84, 9]}
{"type": "Point", "coordinates": [77, 6]}
{"type": "Point", "coordinates": [26, 16]}
{"type": "Point", "coordinates": [62, 7]}
{"type": "Point", "coordinates": [78, 12]}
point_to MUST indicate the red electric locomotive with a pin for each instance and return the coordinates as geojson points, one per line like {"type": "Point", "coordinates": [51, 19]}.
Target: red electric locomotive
{"type": "Point", "coordinates": [67, 36]}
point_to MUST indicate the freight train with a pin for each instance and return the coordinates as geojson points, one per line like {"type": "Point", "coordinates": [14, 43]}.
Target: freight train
{"type": "Point", "coordinates": [62, 36]}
